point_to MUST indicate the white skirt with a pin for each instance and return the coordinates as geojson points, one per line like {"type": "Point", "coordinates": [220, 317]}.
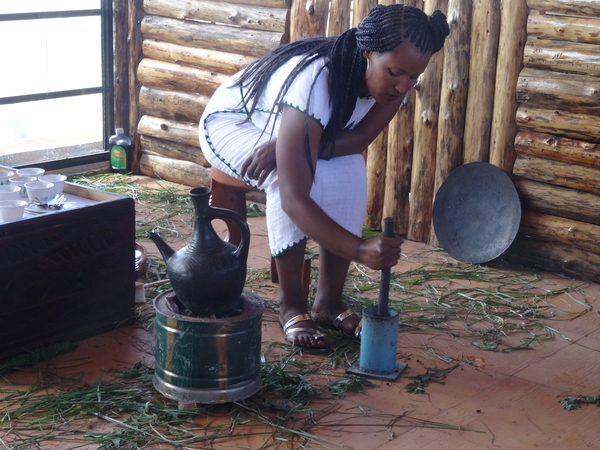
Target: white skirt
{"type": "Point", "coordinates": [339, 187]}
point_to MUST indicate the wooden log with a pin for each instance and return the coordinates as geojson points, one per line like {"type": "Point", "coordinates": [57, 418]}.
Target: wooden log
{"type": "Point", "coordinates": [174, 150]}
{"type": "Point", "coordinates": [135, 13]}
{"type": "Point", "coordinates": [247, 16]}
{"type": "Point", "coordinates": [399, 156]}
{"type": "Point", "coordinates": [360, 10]}
{"type": "Point", "coordinates": [178, 106]}
{"type": "Point", "coordinates": [558, 201]}
{"type": "Point", "coordinates": [574, 7]}
{"type": "Point", "coordinates": [210, 60]}
{"type": "Point", "coordinates": [485, 31]}
{"type": "Point", "coordinates": [426, 123]}
{"type": "Point", "coordinates": [586, 179]}
{"type": "Point", "coordinates": [558, 148]}
{"type": "Point", "coordinates": [581, 235]}
{"type": "Point", "coordinates": [176, 77]}
{"type": "Point", "coordinates": [175, 171]}
{"type": "Point", "coordinates": [562, 259]}
{"type": "Point", "coordinates": [453, 97]}
{"type": "Point", "coordinates": [562, 56]}
{"type": "Point", "coordinates": [542, 89]}
{"type": "Point", "coordinates": [308, 18]}
{"type": "Point", "coordinates": [575, 126]}
{"type": "Point", "coordinates": [267, 3]}
{"type": "Point", "coordinates": [377, 152]}
{"type": "Point", "coordinates": [399, 163]}
{"type": "Point", "coordinates": [574, 29]}
{"type": "Point", "coordinates": [339, 17]}
{"type": "Point", "coordinates": [376, 171]}
{"type": "Point", "coordinates": [510, 56]}
{"type": "Point", "coordinates": [170, 130]}
{"type": "Point", "coordinates": [121, 66]}
{"type": "Point", "coordinates": [210, 36]}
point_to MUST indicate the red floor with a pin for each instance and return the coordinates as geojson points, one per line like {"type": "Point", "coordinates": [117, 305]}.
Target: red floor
{"type": "Point", "coordinates": [491, 400]}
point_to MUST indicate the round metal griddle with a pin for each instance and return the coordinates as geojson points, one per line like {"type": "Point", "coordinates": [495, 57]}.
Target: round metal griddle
{"type": "Point", "coordinates": [476, 213]}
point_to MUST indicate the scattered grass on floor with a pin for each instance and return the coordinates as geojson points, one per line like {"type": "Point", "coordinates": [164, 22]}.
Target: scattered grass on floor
{"type": "Point", "coordinates": [77, 414]}
{"type": "Point", "coordinates": [497, 307]}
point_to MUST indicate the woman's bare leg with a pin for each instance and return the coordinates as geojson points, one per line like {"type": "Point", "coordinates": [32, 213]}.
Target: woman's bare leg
{"type": "Point", "coordinates": [291, 301]}
{"type": "Point", "coordinates": [328, 303]}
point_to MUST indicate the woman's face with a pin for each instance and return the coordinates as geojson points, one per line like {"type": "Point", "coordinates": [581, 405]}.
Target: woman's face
{"type": "Point", "coordinates": [390, 75]}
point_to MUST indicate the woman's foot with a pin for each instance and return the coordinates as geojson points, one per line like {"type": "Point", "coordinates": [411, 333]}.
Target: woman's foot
{"type": "Point", "coordinates": [347, 321]}
{"type": "Point", "coordinates": [301, 331]}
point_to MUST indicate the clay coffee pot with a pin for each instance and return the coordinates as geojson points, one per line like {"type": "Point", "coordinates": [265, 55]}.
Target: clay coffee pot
{"type": "Point", "coordinates": [208, 274]}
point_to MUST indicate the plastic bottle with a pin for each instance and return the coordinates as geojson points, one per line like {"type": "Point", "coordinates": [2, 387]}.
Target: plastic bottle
{"type": "Point", "coordinates": [120, 152]}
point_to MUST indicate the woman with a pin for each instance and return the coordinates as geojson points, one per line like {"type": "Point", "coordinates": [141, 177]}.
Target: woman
{"type": "Point", "coordinates": [314, 106]}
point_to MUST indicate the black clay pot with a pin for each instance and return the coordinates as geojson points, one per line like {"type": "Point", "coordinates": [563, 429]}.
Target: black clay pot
{"type": "Point", "coordinates": [208, 274]}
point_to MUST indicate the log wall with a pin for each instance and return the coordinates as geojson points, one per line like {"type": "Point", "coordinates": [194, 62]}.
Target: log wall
{"type": "Point", "coordinates": [517, 85]}
{"type": "Point", "coordinates": [557, 165]}
{"type": "Point", "coordinates": [188, 48]}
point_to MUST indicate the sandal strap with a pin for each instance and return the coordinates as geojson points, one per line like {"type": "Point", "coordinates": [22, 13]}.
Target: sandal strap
{"type": "Point", "coordinates": [294, 320]}
{"type": "Point", "coordinates": [314, 335]}
{"type": "Point", "coordinates": [342, 316]}
{"type": "Point", "coordinates": [358, 330]}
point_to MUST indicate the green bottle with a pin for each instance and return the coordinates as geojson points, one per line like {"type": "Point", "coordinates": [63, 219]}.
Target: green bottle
{"type": "Point", "coordinates": [120, 152]}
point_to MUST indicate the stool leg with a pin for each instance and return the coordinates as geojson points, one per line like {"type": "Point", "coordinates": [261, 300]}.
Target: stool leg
{"type": "Point", "coordinates": [305, 276]}
{"type": "Point", "coordinates": [224, 196]}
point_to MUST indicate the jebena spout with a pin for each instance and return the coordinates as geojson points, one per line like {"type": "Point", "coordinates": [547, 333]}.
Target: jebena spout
{"type": "Point", "coordinates": [162, 246]}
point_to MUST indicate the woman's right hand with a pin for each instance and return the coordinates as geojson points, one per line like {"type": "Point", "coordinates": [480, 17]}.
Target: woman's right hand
{"type": "Point", "coordinates": [261, 162]}
{"type": "Point", "coordinates": [380, 252]}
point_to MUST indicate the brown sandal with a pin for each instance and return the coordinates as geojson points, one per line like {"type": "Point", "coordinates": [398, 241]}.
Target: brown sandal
{"type": "Point", "coordinates": [290, 329]}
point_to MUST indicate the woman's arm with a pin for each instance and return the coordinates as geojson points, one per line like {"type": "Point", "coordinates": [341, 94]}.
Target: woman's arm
{"type": "Point", "coordinates": [261, 161]}
{"type": "Point", "coordinates": [295, 182]}
{"type": "Point", "coordinates": [356, 140]}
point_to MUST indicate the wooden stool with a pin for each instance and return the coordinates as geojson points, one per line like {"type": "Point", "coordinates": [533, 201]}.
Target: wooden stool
{"type": "Point", "coordinates": [230, 193]}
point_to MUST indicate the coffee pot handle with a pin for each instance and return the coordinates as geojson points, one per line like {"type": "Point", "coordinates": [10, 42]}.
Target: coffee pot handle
{"type": "Point", "coordinates": [223, 213]}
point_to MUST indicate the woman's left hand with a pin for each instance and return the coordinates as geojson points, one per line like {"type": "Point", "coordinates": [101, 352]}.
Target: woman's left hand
{"type": "Point", "coordinates": [261, 162]}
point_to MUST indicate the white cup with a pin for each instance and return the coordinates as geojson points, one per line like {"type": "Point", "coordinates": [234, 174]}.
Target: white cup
{"type": "Point", "coordinates": [39, 191]}
{"type": "Point", "coordinates": [5, 176]}
{"type": "Point", "coordinates": [57, 180]}
{"type": "Point", "coordinates": [12, 210]}
{"type": "Point", "coordinates": [9, 192]}
{"type": "Point", "coordinates": [20, 181]}
{"type": "Point", "coordinates": [30, 172]}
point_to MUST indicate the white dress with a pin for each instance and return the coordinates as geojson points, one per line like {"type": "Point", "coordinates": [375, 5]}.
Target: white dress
{"type": "Point", "coordinates": [226, 139]}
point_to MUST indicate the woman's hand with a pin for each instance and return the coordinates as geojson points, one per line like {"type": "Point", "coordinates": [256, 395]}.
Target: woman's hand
{"type": "Point", "coordinates": [380, 252]}
{"type": "Point", "coordinates": [261, 162]}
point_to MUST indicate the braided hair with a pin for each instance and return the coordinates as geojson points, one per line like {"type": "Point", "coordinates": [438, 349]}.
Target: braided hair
{"type": "Point", "coordinates": [382, 30]}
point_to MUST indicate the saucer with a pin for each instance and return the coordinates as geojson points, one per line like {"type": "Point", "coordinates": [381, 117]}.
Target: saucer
{"type": "Point", "coordinates": [32, 208]}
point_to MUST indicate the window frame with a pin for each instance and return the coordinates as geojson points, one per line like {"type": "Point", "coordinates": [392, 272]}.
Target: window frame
{"type": "Point", "coordinates": [106, 89]}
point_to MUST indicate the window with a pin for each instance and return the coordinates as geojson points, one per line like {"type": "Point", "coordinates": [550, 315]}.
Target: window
{"type": "Point", "coordinates": [56, 93]}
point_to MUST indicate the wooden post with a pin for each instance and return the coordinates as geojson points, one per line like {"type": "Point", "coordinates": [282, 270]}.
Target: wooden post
{"type": "Point", "coordinates": [308, 18]}
{"type": "Point", "coordinates": [339, 17]}
{"type": "Point", "coordinates": [376, 154]}
{"type": "Point", "coordinates": [361, 9]}
{"type": "Point", "coordinates": [426, 123]}
{"type": "Point", "coordinates": [376, 171]}
{"type": "Point", "coordinates": [135, 14]}
{"type": "Point", "coordinates": [485, 31]}
{"type": "Point", "coordinates": [121, 65]}
{"type": "Point", "coordinates": [453, 99]}
{"type": "Point", "coordinates": [399, 162]}
{"type": "Point", "coordinates": [513, 34]}
{"type": "Point", "coordinates": [399, 158]}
